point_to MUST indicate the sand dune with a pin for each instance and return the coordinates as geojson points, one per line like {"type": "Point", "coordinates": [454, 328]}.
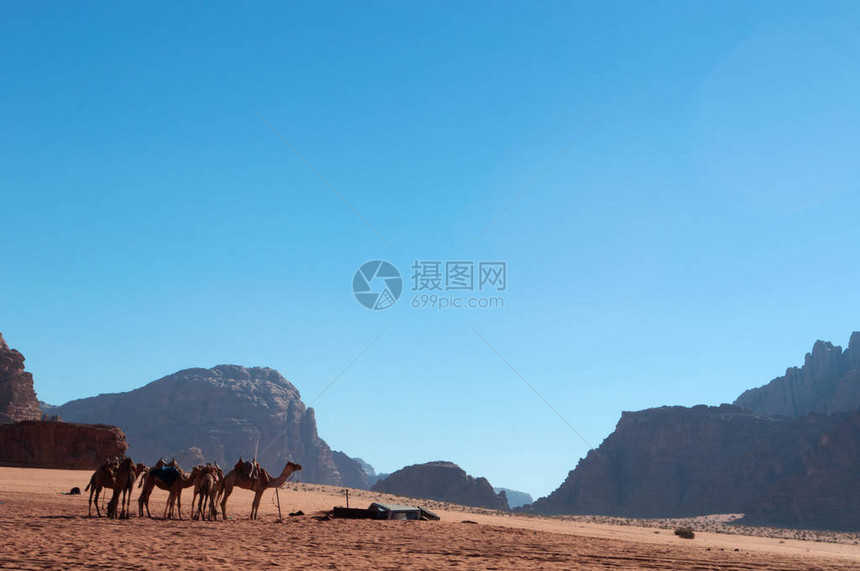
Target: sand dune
{"type": "Point", "coordinates": [43, 529]}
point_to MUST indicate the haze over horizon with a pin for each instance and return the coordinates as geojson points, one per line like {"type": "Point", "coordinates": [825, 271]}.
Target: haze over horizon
{"type": "Point", "coordinates": [693, 242]}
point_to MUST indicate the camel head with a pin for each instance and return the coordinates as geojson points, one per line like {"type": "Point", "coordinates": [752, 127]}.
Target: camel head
{"type": "Point", "coordinates": [293, 466]}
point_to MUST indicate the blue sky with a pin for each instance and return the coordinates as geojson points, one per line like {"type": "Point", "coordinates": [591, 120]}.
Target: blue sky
{"type": "Point", "coordinates": [692, 243]}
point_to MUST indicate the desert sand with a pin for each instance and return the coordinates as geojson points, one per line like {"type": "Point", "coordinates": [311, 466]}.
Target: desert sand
{"type": "Point", "coordinates": [40, 528]}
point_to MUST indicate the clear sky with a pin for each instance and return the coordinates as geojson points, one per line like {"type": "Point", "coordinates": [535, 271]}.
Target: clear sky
{"type": "Point", "coordinates": [692, 243]}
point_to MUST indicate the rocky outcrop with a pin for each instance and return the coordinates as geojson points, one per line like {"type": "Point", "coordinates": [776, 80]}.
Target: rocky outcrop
{"type": "Point", "coordinates": [216, 414]}
{"type": "Point", "coordinates": [826, 493]}
{"type": "Point", "coordinates": [828, 381]}
{"type": "Point", "coordinates": [787, 455]}
{"type": "Point", "coordinates": [36, 444]}
{"type": "Point", "coordinates": [17, 397]}
{"type": "Point", "coordinates": [442, 481]}
{"type": "Point", "coordinates": [515, 499]}
{"type": "Point", "coordinates": [370, 472]}
{"type": "Point", "coordinates": [678, 462]}
{"type": "Point", "coordinates": [351, 471]}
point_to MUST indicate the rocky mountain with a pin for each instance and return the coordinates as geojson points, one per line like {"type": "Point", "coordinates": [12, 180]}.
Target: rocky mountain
{"type": "Point", "coordinates": [37, 444]}
{"type": "Point", "coordinates": [372, 476]}
{"type": "Point", "coordinates": [777, 460]}
{"type": "Point", "coordinates": [352, 471]}
{"type": "Point", "coordinates": [828, 381]}
{"type": "Point", "coordinates": [17, 397]}
{"type": "Point", "coordinates": [515, 499]}
{"type": "Point", "coordinates": [442, 481]}
{"type": "Point", "coordinates": [677, 461]}
{"type": "Point", "coordinates": [217, 414]}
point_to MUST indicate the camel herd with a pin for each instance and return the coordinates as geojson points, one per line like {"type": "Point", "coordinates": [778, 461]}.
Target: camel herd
{"type": "Point", "coordinates": [211, 486]}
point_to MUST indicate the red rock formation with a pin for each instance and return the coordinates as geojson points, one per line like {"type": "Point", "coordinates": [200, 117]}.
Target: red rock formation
{"type": "Point", "coordinates": [37, 444]}
{"type": "Point", "coordinates": [445, 482]}
{"type": "Point", "coordinates": [17, 397]}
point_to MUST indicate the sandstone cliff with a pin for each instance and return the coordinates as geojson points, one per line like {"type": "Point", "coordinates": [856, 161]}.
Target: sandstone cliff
{"type": "Point", "coordinates": [17, 398]}
{"type": "Point", "coordinates": [828, 381]}
{"type": "Point", "coordinates": [36, 444]}
{"type": "Point", "coordinates": [442, 481]}
{"type": "Point", "coordinates": [216, 414]}
{"type": "Point", "coordinates": [789, 457]}
{"type": "Point", "coordinates": [677, 461]}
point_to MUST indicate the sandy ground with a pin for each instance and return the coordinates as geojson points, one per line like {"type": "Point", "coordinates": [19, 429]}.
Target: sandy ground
{"type": "Point", "coordinates": [40, 528]}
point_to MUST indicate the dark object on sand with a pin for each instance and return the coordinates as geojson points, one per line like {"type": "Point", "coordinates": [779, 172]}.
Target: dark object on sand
{"type": "Point", "coordinates": [685, 532]}
{"type": "Point", "coordinates": [300, 512]}
{"type": "Point", "coordinates": [386, 511]}
{"type": "Point", "coordinates": [76, 491]}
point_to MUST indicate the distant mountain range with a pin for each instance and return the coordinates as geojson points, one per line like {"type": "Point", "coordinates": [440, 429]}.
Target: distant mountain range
{"type": "Point", "coordinates": [785, 454]}
{"type": "Point", "coordinates": [515, 499]}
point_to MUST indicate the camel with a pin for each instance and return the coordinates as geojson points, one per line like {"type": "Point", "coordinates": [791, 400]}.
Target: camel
{"type": "Point", "coordinates": [126, 474]}
{"type": "Point", "coordinates": [212, 487]}
{"type": "Point", "coordinates": [207, 489]}
{"type": "Point", "coordinates": [103, 477]}
{"type": "Point", "coordinates": [255, 479]}
{"type": "Point", "coordinates": [169, 478]}
{"type": "Point", "coordinates": [184, 481]}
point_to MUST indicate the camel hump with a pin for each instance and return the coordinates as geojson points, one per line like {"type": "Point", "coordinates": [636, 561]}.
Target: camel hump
{"type": "Point", "coordinates": [247, 469]}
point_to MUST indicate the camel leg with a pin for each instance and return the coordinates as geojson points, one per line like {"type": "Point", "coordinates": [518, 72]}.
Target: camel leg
{"type": "Point", "coordinates": [126, 503]}
{"type": "Point", "coordinates": [226, 494]}
{"type": "Point", "coordinates": [168, 507]}
{"type": "Point", "coordinates": [179, 503]}
{"type": "Point", "coordinates": [256, 505]}
{"type": "Point", "coordinates": [143, 501]}
{"type": "Point", "coordinates": [98, 491]}
{"type": "Point", "coordinates": [90, 503]}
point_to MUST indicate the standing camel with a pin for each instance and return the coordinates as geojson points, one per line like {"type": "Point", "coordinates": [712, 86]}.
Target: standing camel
{"type": "Point", "coordinates": [103, 477]}
{"type": "Point", "coordinates": [207, 489]}
{"type": "Point", "coordinates": [126, 474]}
{"type": "Point", "coordinates": [184, 481]}
{"type": "Point", "coordinates": [259, 481]}
{"type": "Point", "coordinates": [217, 476]}
{"type": "Point", "coordinates": [171, 479]}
